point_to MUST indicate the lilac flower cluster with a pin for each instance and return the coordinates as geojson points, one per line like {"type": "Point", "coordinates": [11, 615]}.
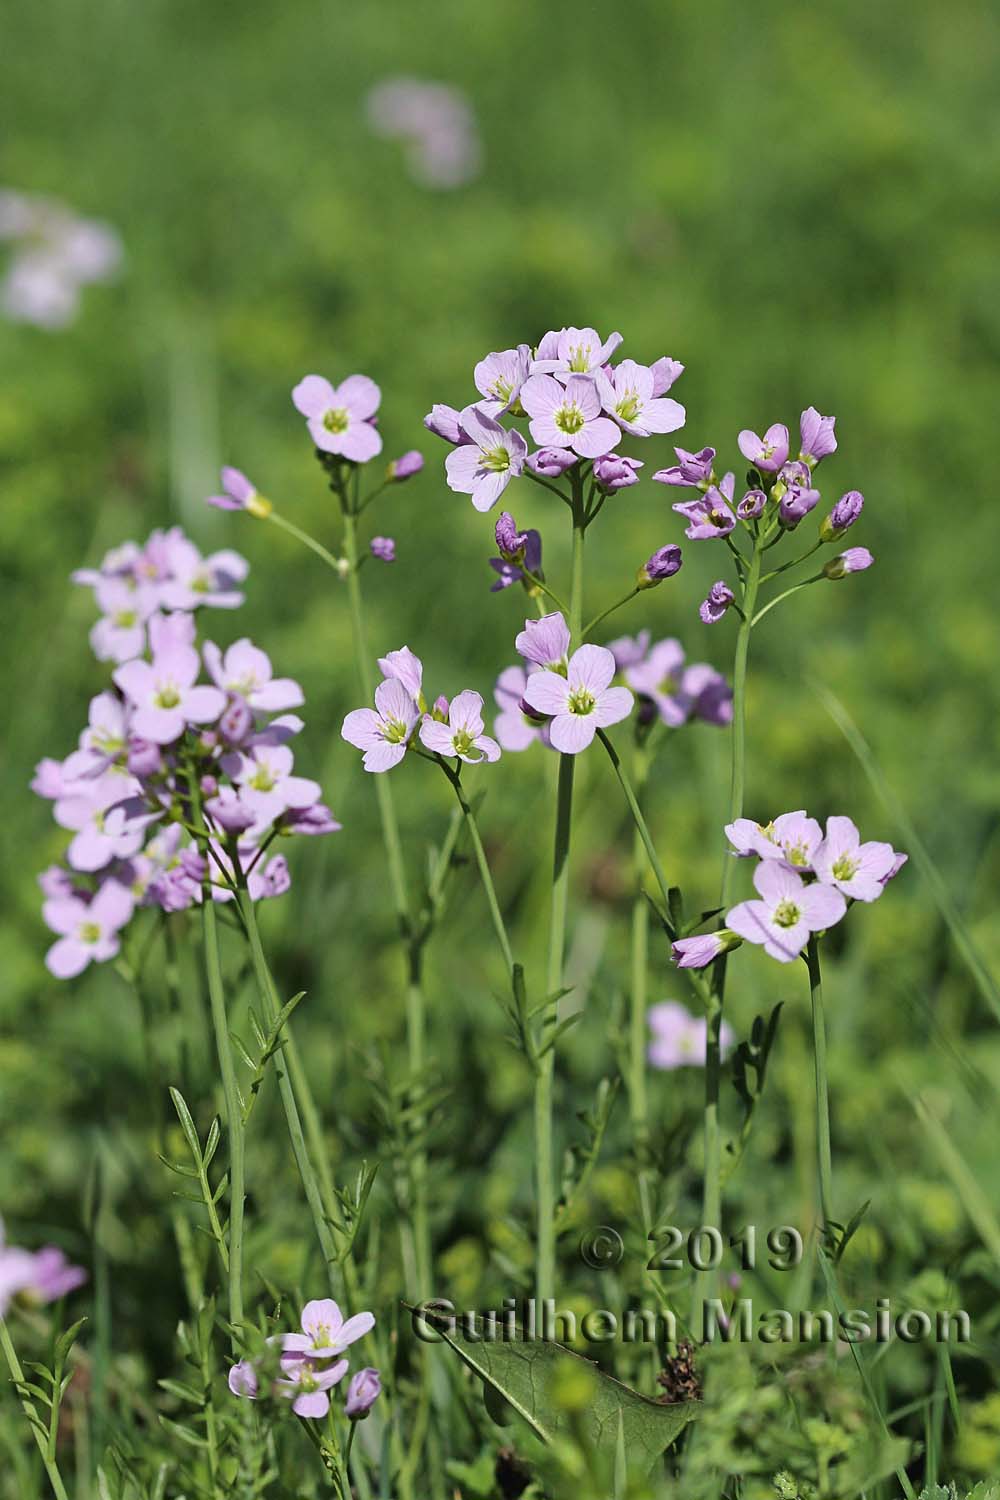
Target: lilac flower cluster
{"type": "Point", "coordinates": [578, 407]}
{"type": "Point", "coordinates": [781, 494]}
{"type": "Point", "coordinates": [563, 700]}
{"type": "Point", "coordinates": [39, 1276]}
{"type": "Point", "coordinates": [680, 1039]}
{"type": "Point", "coordinates": [436, 123]}
{"type": "Point", "coordinates": [312, 1362]}
{"type": "Point", "coordinates": [177, 786]}
{"type": "Point", "coordinates": [805, 880]}
{"type": "Point", "coordinates": [55, 254]}
{"type": "Point", "coordinates": [400, 719]}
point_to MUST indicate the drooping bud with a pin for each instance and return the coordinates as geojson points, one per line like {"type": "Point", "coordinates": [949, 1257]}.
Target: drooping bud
{"type": "Point", "coordinates": [664, 563]}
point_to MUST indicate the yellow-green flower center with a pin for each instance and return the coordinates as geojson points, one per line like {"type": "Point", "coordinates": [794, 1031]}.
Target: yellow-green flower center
{"type": "Point", "coordinates": [262, 780]}
{"type": "Point", "coordinates": [797, 854]}
{"type": "Point", "coordinates": [124, 618]}
{"type": "Point", "coordinates": [845, 868]}
{"type": "Point", "coordinates": [336, 419]}
{"type": "Point", "coordinates": [569, 418]}
{"type": "Point", "coordinates": [787, 914]}
{"type": "Point", "coordinates": [497, 459]}
{"type": "Point", "coordinates": [629, 407]}
{"type": "Point", "coordinates": [502, 389]}
{"type": "Point", "coordinates": [462, 741]}
{"type": "Point", "coordinates": [579, 358]}
{"type": "Point", "coordinates": [581, 701]}
{"type": "Point", "coordinates": [394, 731]}
{"type": "Point", "coordinates": [89, 932]}
{"type": "Point", "coordinates": [167, 697]}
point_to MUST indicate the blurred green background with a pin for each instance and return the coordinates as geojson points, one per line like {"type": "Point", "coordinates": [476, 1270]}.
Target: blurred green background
{"type": "Point", "coordinates": [797, 202]}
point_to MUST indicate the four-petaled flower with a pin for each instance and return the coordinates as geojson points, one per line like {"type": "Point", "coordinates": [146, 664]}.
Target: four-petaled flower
{"type": "Point", "coordinates": [164, 696]}
{"type": "Point", "coordinates": [246, 671]}
{"type": "Point", "coordinates": [499, 378]}
{"type": "Point", "coordinates": [628, 394]}
{"type": "Point", "coordinates": [710, 515]}
{"type": "Point", "coordinates": [569, 416]}
{"type": "Point", "coordinates": [485, 464]}
{"type": "Point", "coordinates": [859, 870]}
{"type": "Point", "coordinates": [383, 732]}
{"type": "Point", "coordinates": [766, 453]}
{"type": "Point", "coordinates": [88, 930]}
{"type": "Point", "coordinates": [306, 1385]}
{"type": "Point", "coordinates": [339, 417]}
{"type": "Point", "coordinates": [581, 702]}
{"type": "Point", "coordinates": [463, 734]}
{"type": "Point", "coordinates": [325, 1331]}
{"type": "Point", "coordinates": [679, 1038]}
{"type": "Point", "coordinates": [788, 912]}
{"type": "Point", "coordinates": [574, 351]}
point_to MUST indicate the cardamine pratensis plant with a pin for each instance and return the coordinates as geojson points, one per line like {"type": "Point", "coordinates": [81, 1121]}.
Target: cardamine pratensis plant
{"type": "Point", "coordinates": [181, 788]}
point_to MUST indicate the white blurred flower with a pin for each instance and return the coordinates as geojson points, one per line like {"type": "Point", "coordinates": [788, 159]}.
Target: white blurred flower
{"type": "Point", "coordinates": [55, 253]}
{"type": "Point", "coordinates": [437, 123]}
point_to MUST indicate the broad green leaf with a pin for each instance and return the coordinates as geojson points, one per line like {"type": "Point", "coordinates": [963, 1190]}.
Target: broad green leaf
{"type": "Point", "coordinates": [528, 1374]}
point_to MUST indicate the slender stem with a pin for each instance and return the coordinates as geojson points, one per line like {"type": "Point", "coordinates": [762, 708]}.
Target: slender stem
{"type": "Point", "coordinates": [645, 837]}
{"type": "Point", "coordinates": [34, 1420]}
{"type": "Point", "coordinates": [539, 583]}
{"type": "Point", "coordinates": [824, 1154]}
{"type": "Point", "coordinates": [308, 541]}
{"type": "Point", "coordinates": [639, 968]}
{"type": "Point", "coordinates": [499, 927]}
{"type": "Point", "coordinates": [416, 1010]}
{"type": "Point", "coordinates": [234, 1109]}
{"type": "Point", "coordinates": [545, 1177]}
{"type": "Point", "coordinates": [588, 629]}
{"type": "Point", "coordinates": [530, 473]}
{"type": "Point", "coordinates": [272, 1006]}
{"type": "Point", "coordinates": [793, 562]}
{"type": "Point", "coordinates": [756, 619]}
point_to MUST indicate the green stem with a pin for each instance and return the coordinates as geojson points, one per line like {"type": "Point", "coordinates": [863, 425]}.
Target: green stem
{"type": "Point", "coordinates": [234, 1109]}
{"type": "Point", "coordinates": [545, 1177]}
{"type": "Point", "coordinates": [540, 584]}
{"type": "Point", "coordinates": [415, 1005]}
{"type": "Point", "coordinates": [793, 562]}
{"type": "Point", "coordinates": [34, 1420]}
{"type": "Point", "coordinates": [712, 1191]}
{"type": "Point", "coordinates": [272, 1006]}
{"type": "Point", "coordinates": [499, 927]}
{"type": "Point", "coordinates": [824, 1154]}
{"type": "Point", "coordinates": [638, 997]}
{"type": "Point", "coordinates": [756, 619]}
{"type": "Point", "coordinates": [642, 831]}
{"type": "Point", "coordinates": [308, 541]}
{"type": "Point", "coordinates": [588, 629]}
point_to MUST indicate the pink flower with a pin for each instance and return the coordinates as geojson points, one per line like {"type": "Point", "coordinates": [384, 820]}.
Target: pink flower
{"type": "Point", "coordinates": [484, 466]}
{"type": "Point", "coordinates": [512, 727]}
{"type": "Point", "coordinates": [499, 378]}
{"type": "Point", "coordinates": [767, 453]}
{"type": "Point", "coordinates": [573, 351]}
{"type": "Point", "coordinates": [362, 1393]}
{"type": "Point", "coordinates": [627, 394]}
{"type": "Point", "coordinates": [569, 416]}
{"type": "Point", "coordinates": [339, 417]}
{"type": "Point", "coordinates": [164, 696]}
{"type": "Point", "coordinates": [239, 494]}
{"type": "Point", "coordinates": [102, 814]}
{"type": "Point", "coordinates": [406, 667]}
{"type": "Point", "coordinates": [859, 870]}
{"type": "Point", "coordinates": [463, 734]}
{"type": "Point", "coordinates": [306, 1386]}
{"type": "Point", "coordinates": [88, 932]}
{"type": "Point", "coordinates": [245, 671]}
{"type": "Point", "coordinates": [121, 632]}
{"type": "Point", "coordinates": [788, 912]}
{"type": "Point", "coordinates": [817, 436]}
{"type": "Point", "coordinates": [383, 732]}
{"type": "Point", "coordinates": [325, 1332]}
{"type": "Point", "coordinates": [267, 786]}
{"type": "Point", "coordinates": [710, 515]}
{"type": "Point", "coordinates": [581, 702]}
{"type": "Point", "coordinates": [191, 580]}
{"type": "Point", "coordinates": [679, 1038]}
{"type": "Point", "coordinates": [544, 642]}
{"type": "Point", "coordinates": [793, 838]}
